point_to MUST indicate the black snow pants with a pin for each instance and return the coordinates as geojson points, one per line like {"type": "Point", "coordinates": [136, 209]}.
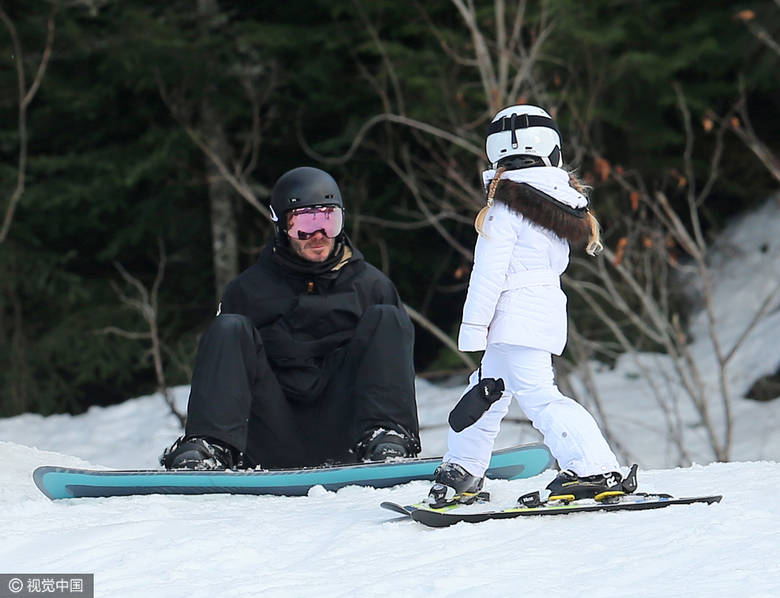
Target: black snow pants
{"type": "Point", "coordinates": [236, 397]}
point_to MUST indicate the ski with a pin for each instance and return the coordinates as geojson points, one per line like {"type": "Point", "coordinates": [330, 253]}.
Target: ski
{"type": "Point", "coordinates": [479, 498]}
{"type": "Point", "coordinates": [407, 510]}
{"type": "Point", "coordinates": [522, 461]}
{"type": "Point", "coordinates": [452, 514]}
{"type": "Point", "coordinates": [398, 508]}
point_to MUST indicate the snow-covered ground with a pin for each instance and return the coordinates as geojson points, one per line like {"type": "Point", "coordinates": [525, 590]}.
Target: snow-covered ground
{"type": "Point", "coordinates": [342, 544]}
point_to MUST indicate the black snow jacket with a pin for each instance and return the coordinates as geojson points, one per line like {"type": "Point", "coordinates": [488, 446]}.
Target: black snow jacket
{"type": "Point", "coordinates": [306, 318]}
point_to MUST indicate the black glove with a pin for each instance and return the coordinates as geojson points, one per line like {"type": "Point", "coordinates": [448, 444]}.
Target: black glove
{"type": "Point", "coordinates": [475, 402]}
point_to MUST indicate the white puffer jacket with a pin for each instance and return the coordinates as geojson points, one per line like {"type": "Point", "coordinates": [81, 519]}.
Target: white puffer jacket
{"type": "Point", "coordinates": [515, 294]}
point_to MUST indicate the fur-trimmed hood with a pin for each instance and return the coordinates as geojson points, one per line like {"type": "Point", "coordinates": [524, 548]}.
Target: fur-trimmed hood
{"type": "Point", "coordinates": [549, 202]}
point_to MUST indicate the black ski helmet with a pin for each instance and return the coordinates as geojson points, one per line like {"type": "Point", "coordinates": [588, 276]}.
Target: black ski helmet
{"type": "Point", "coordinates": [302, 187]}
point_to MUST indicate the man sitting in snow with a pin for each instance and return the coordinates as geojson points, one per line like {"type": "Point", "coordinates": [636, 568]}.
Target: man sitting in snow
{"type": "Point", "coordinates": [309, 359]}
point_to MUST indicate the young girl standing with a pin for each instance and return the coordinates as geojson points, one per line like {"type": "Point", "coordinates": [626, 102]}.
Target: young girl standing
{"type": "Point", "coordinates": [515, 311]}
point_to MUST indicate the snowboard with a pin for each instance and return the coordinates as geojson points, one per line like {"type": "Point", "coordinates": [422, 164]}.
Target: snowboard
{"type": "Point", "coordinates": [522, 461]}
{"type": "Point", "coordinates": [452, 514]}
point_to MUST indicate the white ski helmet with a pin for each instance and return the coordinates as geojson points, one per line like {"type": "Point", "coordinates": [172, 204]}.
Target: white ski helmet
{"type": "Point", "coordinates": [526, 133]}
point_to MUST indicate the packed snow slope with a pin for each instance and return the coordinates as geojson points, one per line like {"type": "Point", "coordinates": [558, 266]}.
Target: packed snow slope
{"type": "Point", "coordinates": [342, 544]}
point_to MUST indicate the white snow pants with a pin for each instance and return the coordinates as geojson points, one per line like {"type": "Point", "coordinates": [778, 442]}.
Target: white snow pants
{"type": "Point", "coordinates": [570, 432]}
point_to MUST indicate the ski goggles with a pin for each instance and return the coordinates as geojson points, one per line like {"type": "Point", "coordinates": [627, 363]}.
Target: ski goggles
{"type": "Point", "coordinates": [303, 223]}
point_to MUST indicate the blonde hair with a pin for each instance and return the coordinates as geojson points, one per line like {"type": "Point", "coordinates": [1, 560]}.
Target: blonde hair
{"type": "Point", "coordinates": [594, 246]}
{"type": "Point", "coordinates": [480, 219]}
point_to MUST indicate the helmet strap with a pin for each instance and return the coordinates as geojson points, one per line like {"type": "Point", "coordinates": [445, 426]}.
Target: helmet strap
{"type": "Point", "coordinates": [521, 161]}
{"type": "Point", "coordinates": [521, 121]}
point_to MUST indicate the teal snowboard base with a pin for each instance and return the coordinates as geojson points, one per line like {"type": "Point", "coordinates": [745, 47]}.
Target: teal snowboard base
{"type": "Point", "coordinates": [522, 461]}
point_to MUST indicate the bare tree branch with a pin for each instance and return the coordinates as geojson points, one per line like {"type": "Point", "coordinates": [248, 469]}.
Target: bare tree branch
{"type": "Point", "coordinates": [760, 33]}
{"type": "Point", "coordinates": [416, 225]}
{"type": "Point", "coordinates": [760, 313]}
{"type": "Point", "coordinates": [147, 307]}
{"type": "Point", "coordinates": [241, 186]}
{"type": "Point", "coordinates": [448, 50]}
{"type": "Point", "coordinates": [438, 333]}
{"type": "Point", "coordinates": [393, 118]}
{"type": "Point", "coordinates": [123, 333]}
{"type": "Point", "coordinates": [399, 97]}
{"type": "Point", "coordinates": [745, 132]}
{"type": "Point", "coordinates": [688, 165]}
{"type": "Point", "coordinates": [411, 184]}
{"type": "Point", "coordinates": [26, 96]}
{"type": "Point", "coordinates": [482, 54]}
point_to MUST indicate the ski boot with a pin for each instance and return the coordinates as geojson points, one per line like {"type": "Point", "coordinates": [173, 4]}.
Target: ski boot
{"type": "Point", "coordinates": [454, 485]}
{"type": "Point", "coordinates": [198, 452]}
{"type": "Point", "coordinates": [568, 486]}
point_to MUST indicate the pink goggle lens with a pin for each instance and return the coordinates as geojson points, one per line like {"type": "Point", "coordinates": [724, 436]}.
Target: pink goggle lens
{"type": "Point", "coordinates": [303, 223]}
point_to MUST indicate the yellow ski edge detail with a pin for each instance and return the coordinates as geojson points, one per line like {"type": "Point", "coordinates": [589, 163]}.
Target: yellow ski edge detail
{"type": "Point", "coordinates": [568, 497]}
{"type": "Point", "coordinates": [608, 494]}
{"type": "Point", "coordinates": [421, 506]}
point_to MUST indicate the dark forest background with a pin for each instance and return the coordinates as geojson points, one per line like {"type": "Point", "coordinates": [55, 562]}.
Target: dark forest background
{"type": "Point", "coordinates": [139, 142]}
